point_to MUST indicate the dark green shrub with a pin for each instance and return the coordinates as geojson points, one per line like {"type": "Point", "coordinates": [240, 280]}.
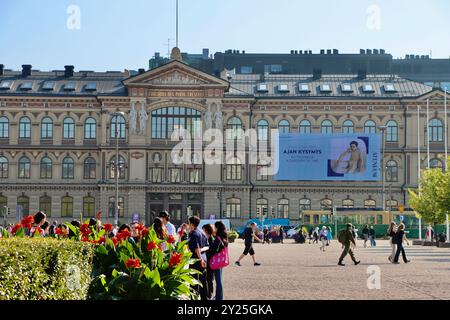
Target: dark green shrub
{"type": "Point", "coordinates": [44, 269]}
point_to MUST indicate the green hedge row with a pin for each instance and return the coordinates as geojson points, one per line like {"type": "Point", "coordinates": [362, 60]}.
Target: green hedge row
{"type": "Point", "coordinates": [44, 269]}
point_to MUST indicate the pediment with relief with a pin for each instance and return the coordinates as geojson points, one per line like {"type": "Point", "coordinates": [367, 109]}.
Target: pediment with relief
{"type": "Point", "coordinates": [436, 95]}
{"type": "Point", "coordinates": [175, 73]}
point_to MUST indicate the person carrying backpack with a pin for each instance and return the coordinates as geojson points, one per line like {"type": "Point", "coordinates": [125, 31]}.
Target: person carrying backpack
{"type": "Point", "coordinates": [347, 239]}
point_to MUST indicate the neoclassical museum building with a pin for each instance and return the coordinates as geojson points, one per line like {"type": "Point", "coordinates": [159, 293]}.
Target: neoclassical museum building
{"type": "Point", "coordinates": [59, 131]}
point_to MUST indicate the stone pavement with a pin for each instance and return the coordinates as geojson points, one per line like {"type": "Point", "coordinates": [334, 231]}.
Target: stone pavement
{"type": "Point", "coordinates": [301, 271]}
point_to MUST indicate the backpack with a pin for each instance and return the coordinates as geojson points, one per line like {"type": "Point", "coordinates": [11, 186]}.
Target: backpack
{"type": "Point", "coordinates": [342, 236]}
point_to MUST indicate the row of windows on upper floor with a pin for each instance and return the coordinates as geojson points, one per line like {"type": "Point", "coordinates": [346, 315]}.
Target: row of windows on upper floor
{"type": "Point", "coordinates": [67, 205]}
{"type": "Point", "coordinates": [163, 126]}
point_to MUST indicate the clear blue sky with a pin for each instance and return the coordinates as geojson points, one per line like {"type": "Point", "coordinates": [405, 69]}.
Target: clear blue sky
{"type": "Point", "coordinates": [118, 34]}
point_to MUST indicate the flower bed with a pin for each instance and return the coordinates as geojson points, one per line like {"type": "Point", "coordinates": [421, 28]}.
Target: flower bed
{"type": "Point", "coordinates": [113, 267]}
{"type": "Point", "coordinates": [44, 269]}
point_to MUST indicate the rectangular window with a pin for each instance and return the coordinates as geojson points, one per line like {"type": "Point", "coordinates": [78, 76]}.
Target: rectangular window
{"type": "Point", "coordinates": [194, 175]}
{"type": "Point", "coordinates": [156, 175]}
{"type": "Point", "coordinates": [246, 69]}
{"type": "Point", "coordinates": [262, 173]}
{"type": "Point", "coordinates": [175, 175]}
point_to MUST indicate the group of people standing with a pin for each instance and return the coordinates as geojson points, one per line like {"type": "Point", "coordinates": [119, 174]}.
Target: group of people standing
{"type": "Point", "coordinates": [368, 234]}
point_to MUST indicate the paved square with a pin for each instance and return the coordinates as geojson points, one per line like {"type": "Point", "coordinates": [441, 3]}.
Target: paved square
{"type": "Point", "coordinates": [301, 271]}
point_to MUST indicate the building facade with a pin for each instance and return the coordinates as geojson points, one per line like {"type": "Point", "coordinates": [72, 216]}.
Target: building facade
{"type": "Point", "coordinates": [59, 132]}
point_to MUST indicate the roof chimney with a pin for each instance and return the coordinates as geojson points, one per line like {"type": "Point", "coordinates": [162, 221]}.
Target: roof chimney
{"type": "Point", "coordinates": [26, 70]}
{"type": "Point", "coordinates": [141, 71]}
{"type": "Point", "coordinates": [317, 74]}
{"type": "Point", "coordinates": [68, 71]}
{"type": "Point", "coordinates": [1, 69]}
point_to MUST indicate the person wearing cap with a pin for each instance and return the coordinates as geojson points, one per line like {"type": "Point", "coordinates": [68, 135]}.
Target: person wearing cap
{"type": "Point", "coordinates": [165, 217]}
{"type": "Point", "coordinates": [347, 239]}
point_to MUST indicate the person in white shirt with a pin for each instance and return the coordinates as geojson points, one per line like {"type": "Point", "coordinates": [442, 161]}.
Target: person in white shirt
{"type": "Point", "coordinates": [165, 217]}
{"type": "Point", "coordinates": [324, 238]}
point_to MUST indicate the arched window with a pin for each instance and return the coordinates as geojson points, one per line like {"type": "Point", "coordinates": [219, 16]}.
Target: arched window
{"type": "Point", "coordinates": [4, 127]}
{"type": "Point", "coordinates": [234, 169]}
{"type": "Point", "coordinates": [348, 127]}
{"type": "Point", "coordinates": [68, 128]}
{"type": "Point", "coordinates": [120, 129]}
{"type": "Point", "coordinates": [348, 203]}
{"type": "Point", "coordinates": [234, 128]}
{"type": "Point", "coordinates": [392, 131]}
{"type": "Point", "coordinates": [4, 168]}
{"type": "Point", "coordinates": [24, 128]}
{"type": "Point", "coordinates": [45, 205]}
{"type": "Point", "coordinates": [90, 168]}
{"type": "Point", "coordinates": [89, 206]}
{"type": "Point", "coordinates": [46, 168]}
{"type": "Point", "coordinates": [327, 127]}
{"type": "Point", "coordinates": [24, 168]}
{"type": "Point", "coordinates": [112, 207]}
{"type": "Point", "coordinates": [283, 208]}
{"type": "Point", "coordinates": [166, 120]}
{"type": "Point", "coordinates": [370, 127]}
{"type": "Point", "coordinates": [121, 167]}
{"type": "Point", "coordinates": [47, 128]}
{"type": "Point", "coordinates": [90, 128]}
{"type": "Point", "coordinates": [392, 203]}
{"type": "Point", "coordinates": [262, 206]}
{"type": "Point", "coordinates": [326, 204]}
{"type": "Point", "coordinates": [284, 126]}
{"type": "Point", "coordinates": [436, 164]}
{"type": "Point", "coordinates": [233, 208]}
{"type": "Point", "coordinates": [67, 206]}
{"type": "Point", "coordinates": [68, 168]}
{"type": "Point", "coordinates": [391, 171]}
{"type": "Point", "coordinates": [370, 204]}
{"type": "Point", "coordinates": [263, 130]}
{"type": "Point", "coordinates": [304, 205]}
{"type": "Point", "coordinates": [305, 127]}
{"type": "Point", "coordinates": [23, 206]}
{"type": "Point", "coordinates": [436, 133]}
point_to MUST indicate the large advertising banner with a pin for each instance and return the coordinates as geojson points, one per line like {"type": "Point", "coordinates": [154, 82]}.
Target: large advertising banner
{"type": "Point", "coordinates": [329, 157]}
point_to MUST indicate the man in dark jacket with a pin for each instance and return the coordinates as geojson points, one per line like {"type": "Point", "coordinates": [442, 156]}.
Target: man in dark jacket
{"type": "Point", "coordinates": [347, 239]}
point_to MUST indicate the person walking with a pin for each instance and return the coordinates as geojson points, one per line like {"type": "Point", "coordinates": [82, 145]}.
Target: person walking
{"type": "Point", "coordinates": [249, 237]}
{"type": "Point", "coordinates": [281, 234]}
{"type": "Point", "coordinates": [329, 235]}
{"type": "Point", "coordinates": [365, 235]}
{"type": "Point", "coordinates": [347, 238]}
{"type": "Point", "coordinates": [323, 238]}
{"type": "Point", "coordinates": [391, 234]}
{"type": "Point", "coordinates": [372, 236]}
{"type": "Point", "coordinates": [399, 238]}
{"type": "Point", "coordinates": [198, 245]}
{"type": "Point", "coordinates": [315, 235]}
{"type": "Point", "coordinates": [429, 233]}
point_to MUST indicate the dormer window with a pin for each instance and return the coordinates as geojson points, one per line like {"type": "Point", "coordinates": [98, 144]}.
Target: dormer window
{"type": "Point", "coordinates": [389, 88]}
{"type": "Point", "coordinates": [368, 88]}
{"type": "Point", "coordinates": [346, 88]}
{"type": "Point", "coordinates": [70, 86]}
{"type": "Point", "coordinates": [25, 86]}
{"type": "Point", "coordinates": [304, 88]}
{"type": "Point", "coordinates": [283, 88]}
{"type": "Point", "coordinates": [325, 88]}
{"type": "Point", "coordinates": [262, 88]}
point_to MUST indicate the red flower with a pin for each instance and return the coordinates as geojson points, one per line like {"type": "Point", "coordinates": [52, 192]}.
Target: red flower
{"type": "Point", "coordinates": [175, 259]}
{"type": "Point", "coordinates": [115, 241]}
{"type": "Point", "coordinates": [108, 227]}
{"type": "Point", "coordinates": [15, 228]}
{"type": "Point", "coordinates": [139, 227]}
{"type": "Point", "coordinates": [27, 222]}
{"type": "Point", "coordinates": [84, 238]}
{"type": "Point", "coordinates": [151, 245]}
{"type": "Point", "coordinates": [85, 231]}
{"type": "Point", "coordinates": [144, 232]}
{"type": "Point", "coordinates": [123, 235]}
{"type": "Point", "coordinates": [171, 239]}
{"type": "Point", "coordinates": [101, 240]}
{"type": "Point", "coordinates": [132, 263]}
{"type": "Point", "coordinates": [39, 230]}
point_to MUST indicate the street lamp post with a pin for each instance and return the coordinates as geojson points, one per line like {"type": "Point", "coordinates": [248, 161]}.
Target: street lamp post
{"type": "Point", "coordinates": [116, 168]}
{"type": "Point", "coordinates": [383, 130]}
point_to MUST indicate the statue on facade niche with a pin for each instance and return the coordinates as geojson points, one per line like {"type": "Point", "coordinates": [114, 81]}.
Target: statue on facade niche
{"type": "Point", "coordinates": [208, 119]}
{"type": "Point", "coordinates": [218, 119]}
{"type": "Point", "coordinates": [143, 117]}
{"type": "Point", "coordinates": [133, 118]}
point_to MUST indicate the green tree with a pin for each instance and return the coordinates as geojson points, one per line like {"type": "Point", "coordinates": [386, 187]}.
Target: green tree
{"type": "Point", "coordinates": [432, 200]}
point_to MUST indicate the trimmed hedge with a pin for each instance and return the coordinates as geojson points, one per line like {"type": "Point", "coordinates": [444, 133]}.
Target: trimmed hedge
{"type": "Point", "coordinates": [45, 269]}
